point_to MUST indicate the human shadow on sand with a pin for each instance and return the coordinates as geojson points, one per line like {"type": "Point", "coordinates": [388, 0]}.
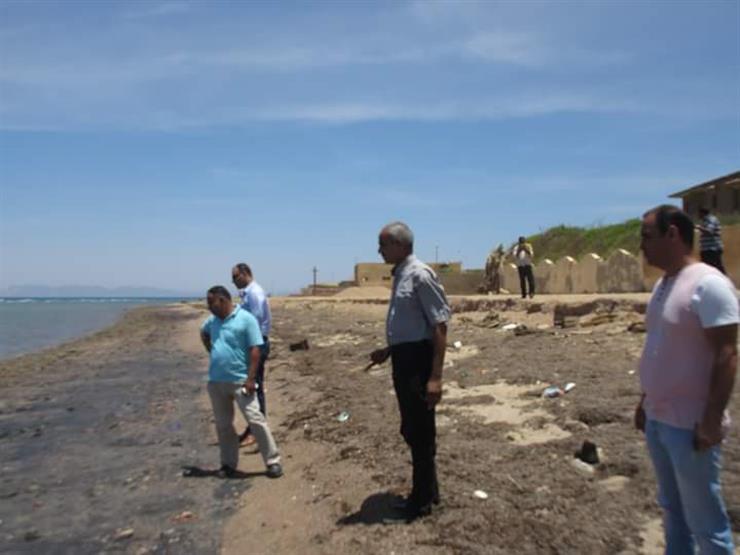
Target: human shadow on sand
{"type": "Point", "coordinates": [374, 509]}
{"type": "Point", "coordinates": [197, 472]}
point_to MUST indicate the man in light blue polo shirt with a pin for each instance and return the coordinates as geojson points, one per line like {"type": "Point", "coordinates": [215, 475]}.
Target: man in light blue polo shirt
{"type": "Point", "coordinates": [232, 338]}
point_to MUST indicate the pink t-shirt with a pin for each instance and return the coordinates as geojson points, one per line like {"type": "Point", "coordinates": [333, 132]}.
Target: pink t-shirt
{"type": "Point", "coordinates": [676, 363]}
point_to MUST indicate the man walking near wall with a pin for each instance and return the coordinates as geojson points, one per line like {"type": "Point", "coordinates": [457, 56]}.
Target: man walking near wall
{"type": "Point", "coordinates": [687, 372]}
{"type": "Point", "coordinates": [416, 333]}
{"type": "Point", "coordinates": [523, 254]}
{"type": "Point", "coordinates": [232, 338]}
{"type": "Point", "coordinates": [710, 242]}
{"type": "Point", "coordinates": [254, 300]}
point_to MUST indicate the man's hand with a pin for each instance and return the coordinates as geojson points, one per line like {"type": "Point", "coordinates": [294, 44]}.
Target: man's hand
{"type": "Point", "coordinates": [640, 417]}
{"type": "Point", "coordinates": [707, 434]}
{"type": "Point", "coordinates": [250, 386]}
{"type": "Point", "coordinates": [379, 356]}
{"type": "Point", "coordinates": [434, 392]}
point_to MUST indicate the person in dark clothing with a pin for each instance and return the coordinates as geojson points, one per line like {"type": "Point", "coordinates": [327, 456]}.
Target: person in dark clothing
{"type": "Point", "coordinates": [710, 241]}
{"type": "Point", "coordinates": [416, 333]}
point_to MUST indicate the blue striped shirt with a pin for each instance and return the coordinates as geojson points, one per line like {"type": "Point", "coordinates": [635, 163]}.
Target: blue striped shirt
{"type": "Point", "coordinates": [710, 239]}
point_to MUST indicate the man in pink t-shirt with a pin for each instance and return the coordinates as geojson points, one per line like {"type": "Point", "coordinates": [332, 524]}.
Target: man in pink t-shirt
{"type": "Point", "coordinates": [687, 372]}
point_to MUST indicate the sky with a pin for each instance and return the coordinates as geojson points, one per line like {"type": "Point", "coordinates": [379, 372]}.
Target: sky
{"type": "Point", "coordinates": [156, 143]}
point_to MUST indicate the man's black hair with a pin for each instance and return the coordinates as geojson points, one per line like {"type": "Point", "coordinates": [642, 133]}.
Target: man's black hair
{"type": "Point", "coordinates": [244, 269]}
{"type": "Point", "coordinates": [220, 291]}
{"type": "Point", "coordinates": [667, 215]}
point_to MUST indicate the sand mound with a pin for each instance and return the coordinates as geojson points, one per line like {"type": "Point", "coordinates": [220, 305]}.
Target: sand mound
{"type": "Point", "coordinates": [368, 292]}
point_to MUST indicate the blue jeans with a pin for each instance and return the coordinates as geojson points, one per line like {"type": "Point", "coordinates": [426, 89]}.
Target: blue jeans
{"type": "Point", "coordinates": [689, 492]}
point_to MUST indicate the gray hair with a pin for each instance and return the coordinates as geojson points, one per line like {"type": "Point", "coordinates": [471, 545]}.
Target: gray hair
{"type": "Point", "coordinates": [400, 233]}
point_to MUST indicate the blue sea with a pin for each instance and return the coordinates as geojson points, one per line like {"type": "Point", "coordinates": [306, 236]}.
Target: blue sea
{"type": "Point", "coordinates": [30, 324]}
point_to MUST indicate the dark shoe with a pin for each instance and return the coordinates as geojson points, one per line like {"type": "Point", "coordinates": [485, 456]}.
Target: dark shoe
{"type": "Point", "coordinates": [226, 472]}
{"type": "Point", "coordinates": [274, 470]}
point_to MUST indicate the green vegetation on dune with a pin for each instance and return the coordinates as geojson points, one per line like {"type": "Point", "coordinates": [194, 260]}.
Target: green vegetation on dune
{"type": "Point", "coordinates": [564, 240]}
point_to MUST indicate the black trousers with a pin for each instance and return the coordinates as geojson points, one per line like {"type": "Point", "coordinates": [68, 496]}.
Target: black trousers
{"type": "Point", "coordinates": [526, 277]}
{"type": "Point", "coordinates": [713, 258]}
{"type": "Point", "coordinates": [412, 366]}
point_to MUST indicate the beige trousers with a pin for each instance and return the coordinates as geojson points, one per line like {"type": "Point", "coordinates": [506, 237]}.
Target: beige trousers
{"type": "Point", "coordinates": [223, 395]}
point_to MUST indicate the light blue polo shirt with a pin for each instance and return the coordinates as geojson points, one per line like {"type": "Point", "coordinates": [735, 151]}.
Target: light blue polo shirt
{"type": "Point", "coordinates": [231, 339]}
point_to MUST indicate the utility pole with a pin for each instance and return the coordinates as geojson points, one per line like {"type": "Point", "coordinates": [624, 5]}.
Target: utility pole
{"type": "Point", "coordinates": [436, 253]}
{"type": "Point", "coordinates": [315, 271]}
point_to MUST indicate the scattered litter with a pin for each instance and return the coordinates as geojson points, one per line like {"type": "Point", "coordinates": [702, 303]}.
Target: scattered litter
{"type": "Point", "coordinates": [300, 346]}
{"type": "Point", "coordinates": [183, 517]}
{"type": "Point", "coordinates": [588, 453]}
{"type": "Point", "coordinates": [480, 494]}
{"type": "Point", "coordinates": [343, 416]}
{"type": "Point", "coordinates": [31, 535]}
{"type": "Point", "coordinates": [552, 392]}
{"type": "Point", "coordinates": [631, 372]}
{"type": "Point", "coordinates": [457, 344]}
{"type": "Point", "coordinates": [509, 327]}
{"type": "Point", "coordinates": [123, 534]}
{"type": "Point", "coordinates": [570, 386]}
{"type": "Point", "coordinates": [582, 466]}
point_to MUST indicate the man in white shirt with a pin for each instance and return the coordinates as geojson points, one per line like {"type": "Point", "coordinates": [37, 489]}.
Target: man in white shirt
{"type": "Point", "coordinates": [254, 300]}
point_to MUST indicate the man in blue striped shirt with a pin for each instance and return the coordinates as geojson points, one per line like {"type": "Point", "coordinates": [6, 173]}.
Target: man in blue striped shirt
{"type": "Point", "coordinates": [710, 242]}
{"type": "Point", "coordinates": [254, 301]}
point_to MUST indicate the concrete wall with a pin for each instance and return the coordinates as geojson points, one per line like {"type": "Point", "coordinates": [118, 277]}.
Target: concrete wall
{"type": "Point", "coordinates": [373, 274]}
{"type": "Point", "coordinates": [377, 273]}
{"type": "Point", "coordinates": [463, 283]}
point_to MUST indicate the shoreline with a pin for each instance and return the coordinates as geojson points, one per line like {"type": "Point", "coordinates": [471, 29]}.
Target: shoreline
{"type": "Point", "coordinates": [85, 334]}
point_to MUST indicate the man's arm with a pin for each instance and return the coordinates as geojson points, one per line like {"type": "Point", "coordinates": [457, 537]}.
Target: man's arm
{"type": "Point", "coordinates": [439, 345]}
{"type": "Point", "coordinates": [254, 360]}
{"type": "Point", "coordinates": [723, 340]}
{"type": "Point", "coordinates": [640, 415]}
{"type": "Point", "coordinates": [205, 339]}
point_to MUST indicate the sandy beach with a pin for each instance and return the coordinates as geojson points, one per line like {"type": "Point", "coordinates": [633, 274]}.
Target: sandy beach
{"type": "Point", "coordinates": [95, 434]}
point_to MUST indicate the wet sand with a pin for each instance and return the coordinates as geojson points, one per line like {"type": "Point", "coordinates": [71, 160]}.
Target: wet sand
{"type": "Point", "coordinates": [94, 434]}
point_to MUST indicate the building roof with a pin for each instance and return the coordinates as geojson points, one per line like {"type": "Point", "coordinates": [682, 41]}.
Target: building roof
{"type": "Point", "coordinates": [731, 179]}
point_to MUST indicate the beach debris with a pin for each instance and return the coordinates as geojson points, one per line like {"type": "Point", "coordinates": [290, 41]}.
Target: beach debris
{"type": "Point", "coordinates": [521, 329]}
{"type": "Point", "coordinates": [556, 391]}
{"type": "Point", "coordinates": [552, 392]}
{"type": "Point", "coordinates": [184, 516]}
{"type": "Point", "coordinates": [588, 453]}
{"type": "Point", "coordinates": [509, 327]}
{"type": "Point", "coordinates": [581, 466]}
{"type": "Point", "coordinates": [457, 344]}
{"type": "Point", "coordinates": [343, 416]}
{"type": "Point", "coordinates": [300, 346]}
{"type": "Point", "coordinates": [31, 535]}
{"type": "Point", "coordinates": [491, 320]}
{"type": "Point", "coordinates": [480, 494]}
{"type": "Point", "coordinates": [631, 372]}
{"type": "Point", "coordinates": [123, 534]}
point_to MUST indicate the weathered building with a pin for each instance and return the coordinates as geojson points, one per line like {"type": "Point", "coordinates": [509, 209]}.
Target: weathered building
{"type": "Point", "coordinates": [720, 195]}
